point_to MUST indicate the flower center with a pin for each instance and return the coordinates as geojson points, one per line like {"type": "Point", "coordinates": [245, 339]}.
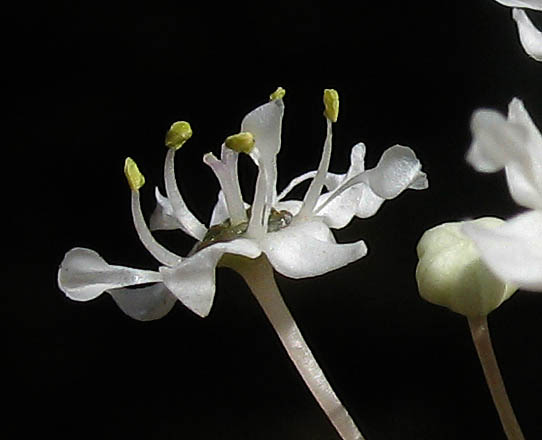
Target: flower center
{"type": "Point", "coordinates": [225, 231]}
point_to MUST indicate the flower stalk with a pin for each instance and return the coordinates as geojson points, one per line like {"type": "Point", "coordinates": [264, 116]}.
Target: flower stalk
{"type": "Point", "coordinates": [258, 274]}
{"type": "Point", "coordinates": [482, 341]}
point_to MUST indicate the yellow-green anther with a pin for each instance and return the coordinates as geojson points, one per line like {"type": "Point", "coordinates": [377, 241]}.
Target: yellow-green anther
{"type": "Point", "coordinates": [135, 179]}
{"type": "Point", "coordinates": [277, 94]}
{"type": "Point", "coordinates": [331, 102]}
{"type": "Point", "coordinates": [178, 134]}
{"type": "Point", "coordinates": [241, 142]}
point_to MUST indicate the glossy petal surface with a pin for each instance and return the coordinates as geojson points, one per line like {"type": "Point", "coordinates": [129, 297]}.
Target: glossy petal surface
{"type": "Point", "coordinates": [514, 250]}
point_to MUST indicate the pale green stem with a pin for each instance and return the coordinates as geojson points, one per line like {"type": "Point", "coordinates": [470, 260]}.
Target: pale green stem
{"type": "Point", "coordinates": [482, 342]}
{"type": "Point", "coordinates": [259, 277]}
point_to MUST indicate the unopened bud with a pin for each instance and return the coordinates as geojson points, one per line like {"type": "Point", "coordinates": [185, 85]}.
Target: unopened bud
{"type": "Point", "coordinates": [450, 272]}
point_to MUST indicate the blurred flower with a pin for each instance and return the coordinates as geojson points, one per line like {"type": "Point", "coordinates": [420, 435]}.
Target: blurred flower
{"type": "Point", "coordinates": [512, 251]}
{"type": "Point", "coordinates": [294, 235]}
{"type": "Point", "coordinates": [529, 35]}
{"type": "Point", "coordinates": [450, 272]}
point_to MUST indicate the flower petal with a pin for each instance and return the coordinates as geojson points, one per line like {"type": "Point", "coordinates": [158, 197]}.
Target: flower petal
{"type": "Point", "coordinates": [309, 249]}
{"type": "Point", "coordinates": [369, 202]}
{"type": "Point", "coordinates": [265, 123]}
{"type": "Point", "coordinates": [84, 275]}
{"type": "Point", "coordinates": [514, 144]}
{"type": "Point", "coordinates": [163, 217]}
{"type": "Point", "coordinates": [397, 170]}
{"type": "Point", "coordinates": [513, 251]}
{"type": "Point", "coordinates": [340, 211]}
{"type": "Point", "coordinates": [531, 4]}
{"type": "Point", "coordinates": [144, 303]}
{"type": "Point", "coordinates": [193, 281]}
{"type": "Point", "coordinates": [529, 35]}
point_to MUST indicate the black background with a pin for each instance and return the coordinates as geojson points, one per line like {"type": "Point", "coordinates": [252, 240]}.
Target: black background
{"type": "Point", "coordinates": [95, 82]}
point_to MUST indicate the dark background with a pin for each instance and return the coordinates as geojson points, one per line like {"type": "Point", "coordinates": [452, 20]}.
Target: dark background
{"type": "Point", "coordinates": [94, 82]}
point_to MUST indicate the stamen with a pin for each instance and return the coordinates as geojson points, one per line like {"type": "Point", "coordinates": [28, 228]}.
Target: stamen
{"type": "Point", "coordinates": [296, 181]}
{"type": "Point", "coordinates": [226, 172]}
{"type": "Point", "coordinates": [191, 225]}
{"type": "Point", "coordinates": [178, 134]}
{"type": "Point", "coordinates": [315, 188]}
{"type": "Point", "coordinates": [277, 94]}
{"type": "Point", "coordinates": [357, 179]}
{"type": "Point", "coordinates": [256, 226]}
{"type": "Point", "coordinates": [136, 181]}
{"type": "Point", "coordinates": [241, 142]}
{"type": "Point", "coordinates": [331, 103]}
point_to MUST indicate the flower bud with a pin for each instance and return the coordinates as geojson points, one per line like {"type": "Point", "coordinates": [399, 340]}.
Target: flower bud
{"type": "Point", "coordinates": [450, 272]}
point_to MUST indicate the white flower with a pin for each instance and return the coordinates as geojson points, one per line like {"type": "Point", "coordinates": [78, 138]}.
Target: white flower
{"type": "Point", "coordinates": [513, 251]}
{"type": "Point", "coordinates": [529, 35]}
{"type": "Point", "coordinates": [294, 235]}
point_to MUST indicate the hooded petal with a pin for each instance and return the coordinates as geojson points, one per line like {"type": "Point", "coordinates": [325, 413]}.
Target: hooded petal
{"type": "Point", "coordinates": [361, 193]}
{"type": "Point", "coordinates": [193, 281]}
{"type": "Point", "coordinates": [397, 170]}
{"type": "Point", "coordinates": [308, 249]}
{"type": "Point", "coordinates": [513, 251]}
{"type": "Point", "coordinates": [84, 275]}
{"type": "Point", "coordinates": [144, 303]}
{"type": "Point", "coordinates": [265, 123]}
{"type": "Point", "coordinates": [529, 35]}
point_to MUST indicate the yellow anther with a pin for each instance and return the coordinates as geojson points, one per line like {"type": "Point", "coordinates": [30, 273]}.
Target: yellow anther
{"type": "Point", "coordinates": [135, 179]}
{"type": "Point", "coordinates": [277, 94]}
{"type": "Point", "coordinates": [241, 142]}
{"type": "Point", "coordinates": [331, 102]}
{"type": "Point", "coordinates": [178, 134]}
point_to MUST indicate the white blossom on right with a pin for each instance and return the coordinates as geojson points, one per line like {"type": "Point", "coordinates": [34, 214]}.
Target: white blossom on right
{"type": "Point", "coordinates": [529, 35]}
{"type": "Point", "coordinates": [513, 251]}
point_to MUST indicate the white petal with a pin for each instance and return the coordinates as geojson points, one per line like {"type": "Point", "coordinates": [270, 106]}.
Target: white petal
{"type": "Point", "coordinates": [309, 249]}
{"type": "Point", "coordinates": [144, 303]}
{"type": "Point", "coordinates": [265, 123]}
{"type": "Point", "coordinates": [340, 211]}
{"type": "Point", "coordinates": [357, 160]}
{"type": "Point", "coordinates": [163, 217]}
{"type": "Point", "coordinates": [193, 281]}
{"type": "Point", "coordinates": [496, 141]}
{"type": "Point", "coordinates": [514, 144]}
{"type": "Point", "coordinates": [187, 221]}
{"type": "Point", "coordinates": [513, 251]}
{"type": "Point", "coordinates": [220, 211]}
{"type": "Point", "coordinates": [531, 4]}
{"type": "Point", "coordinates": [84, 275]}
{"type": "Point", "coordinates": [396, 171]}
{"type": "Point", "coordinates": [369, 202]}
{"type": "Point", "coordinates": [529, 35]}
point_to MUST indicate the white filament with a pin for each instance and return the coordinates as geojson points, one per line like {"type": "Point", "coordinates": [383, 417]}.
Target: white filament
{"type": "Point", "coordinates": [315, 188]}
{"type": "Point", "coordinates": [226, 172]}
{"type": "Point", "coordinates": [190, 224]}
{"type": "Point", "coordinates": [159, 252]}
